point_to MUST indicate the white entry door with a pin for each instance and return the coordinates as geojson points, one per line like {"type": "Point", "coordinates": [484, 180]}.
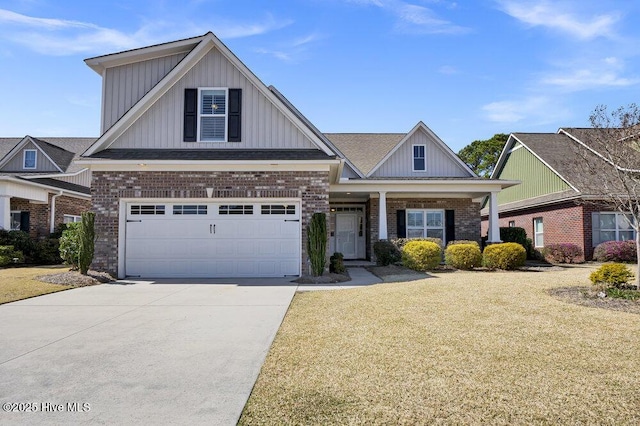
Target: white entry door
{"type": "Point", "coordinates": [222, 239]}
{"type": "Point", "coordinates": [346, 234]}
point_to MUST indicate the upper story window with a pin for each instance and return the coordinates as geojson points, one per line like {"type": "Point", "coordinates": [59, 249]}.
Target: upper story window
{"type": "Point", "coordinates": [419, 158]}
{"type": "Point", "coordinates": [212, 114]}
{"type": "Point", "coordinates": [30, 159]}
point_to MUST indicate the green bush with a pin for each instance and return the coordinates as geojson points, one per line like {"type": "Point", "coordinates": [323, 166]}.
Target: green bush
{"type": "Point", "coordinates": [611, 275]}
{"type": "Point", "coordinates": [336, 263]}
{"type": "Point", "coordinates": [9, 255]}
{"type": "Point", "coordinates": [400, 242]}
{"type": "Point", "coordinates": [454, 242]}
{"type": "Point", "coordinates": [506, 256]}
{"type": "Point", "coordinates": [421, 255]}
{"type": "Point", "coordinates": [70, 244]}
{"type": "Point", "coordinates": [316, 243]}
{"type": "Point", "coordinates": [21, 241]}
{"type": "Point", "coordinates": [87, 241]}
{"type": "Point", "coordinates": [463, 255]}
{"type": "Point", "coordinates": [386, 253]}
{"type": "Point", "coordinates": [518, 235]}
{"type": "Point", "coordinates": [47, 252]}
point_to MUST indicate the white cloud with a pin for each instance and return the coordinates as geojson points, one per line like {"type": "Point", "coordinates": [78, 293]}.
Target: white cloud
{"type": "Point", "coordinates": [292, 50]}
{"type": "Point", "coordinates": [448, 70]}
{"type": "Point", "coordinates": [66, 37]}
{"type": "Point", "coordinates": [548, 14]}
{"type": "Point", "coordinates": [535, 110]}
{"type": "Point", "coordinates": [588, 74]}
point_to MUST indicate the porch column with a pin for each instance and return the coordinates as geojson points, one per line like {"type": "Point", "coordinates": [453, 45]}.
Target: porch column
{"type": "Point", "coordinates": [5, 212]}
{"type": "Point", "coordinates": [494, 226]}
{"type": "Point", "coordinates": [382, 217]}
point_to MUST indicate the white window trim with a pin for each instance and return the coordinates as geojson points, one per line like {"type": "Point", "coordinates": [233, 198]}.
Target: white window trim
{"type": "Point", "coordinates": [413, 157]}
{"type": "Point", "coordinates": [617, 229]}
{"type": "Point", "coordinates": [75, 218]}
{"type": "Point", "coordinates": [424, 221]}
{"type": "Point", "coordinates": [24, 159]}
{"type": "Point", "coordinates": [536, 233]}
{"type": "Point", "coordinates": [11, 214]}
{"type": "Point", "coordinates": [226, 114]}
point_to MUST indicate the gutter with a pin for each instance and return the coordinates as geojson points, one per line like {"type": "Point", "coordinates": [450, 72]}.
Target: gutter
{"type": "Point", "coordinates": [52, 226]}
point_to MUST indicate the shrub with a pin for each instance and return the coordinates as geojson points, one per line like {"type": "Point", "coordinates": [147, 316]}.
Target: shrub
{"type": "Point", "coordinates": [47, 252]}
{"type": "Point", "coordinates": [387, 253]}
{"type": "Point", "coordinates": [70, 244]}
{"type": "Point", "coordinates": [450, 243]}
{"type": "Point", "coordinates": [20, 241]}
{"type": "Point", "coordinates": [518, 235]}
{"type": "Point", "coordinates": [611, 275]}
{"type": "Point", "coordinates": [463, 256]}
{"type": "Point", "coordinates": [336, 263]}
{"type": "Point", "coordinates": [504, 256]}
{"type": "Point", "coordinates": [9, 255]}
{"type": "Point", "coordinates": [563, 253]}
{"type": "Point", "coordinates": [616, 251]}
{"type": "Point", "coordinates": [400, 242]}
{"type": "Point", "coordinates": [421, 255]}
{"type": "Point", "coordinates": [87, 241]}
{"type": "Point", "coordinates": [316, 243]}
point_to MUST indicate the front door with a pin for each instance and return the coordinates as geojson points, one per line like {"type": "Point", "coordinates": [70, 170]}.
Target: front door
{"type": "Point", "coordinates": [346, 235]}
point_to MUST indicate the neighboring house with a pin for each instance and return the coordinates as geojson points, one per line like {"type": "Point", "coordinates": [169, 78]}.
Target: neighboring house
{"type": "Point", "coordinates": [40, 185]}
{"type": "Point", "coordinates": [552, 204]}
{"type": "Point", "coordinates": [204, 171]}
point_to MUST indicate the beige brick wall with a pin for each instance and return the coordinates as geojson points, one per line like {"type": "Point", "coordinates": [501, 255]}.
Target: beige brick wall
{"type": "Point", "coordinates": [108, 187]}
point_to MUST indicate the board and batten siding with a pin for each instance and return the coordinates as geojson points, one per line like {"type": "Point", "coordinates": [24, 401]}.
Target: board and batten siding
{"type": "Point", "coordinates": [127, 84]}
{"type": "Point", "coordinates": [264, 126]}
{"type": "Point", "coordinates": [438, 162]}
{"type": "Point", "coordinates": [537, 179]}
{"type": "Point", "coordinates": [42, 163]}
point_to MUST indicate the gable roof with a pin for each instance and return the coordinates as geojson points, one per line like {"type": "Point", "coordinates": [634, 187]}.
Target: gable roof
{"type": "Point", "coordinates": [365, 150]}
{"type": "Point", "coordinates": [200, 46]}
{"type": "Point", "coordinates": [60, 150]}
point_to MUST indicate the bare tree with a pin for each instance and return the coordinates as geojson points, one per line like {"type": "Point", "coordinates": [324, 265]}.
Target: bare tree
{"type": "Point", "coordinates": [610, 152]}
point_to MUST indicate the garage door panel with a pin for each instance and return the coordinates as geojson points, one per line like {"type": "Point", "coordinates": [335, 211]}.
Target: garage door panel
{"type": "Point", "coordinates": [213, 244]}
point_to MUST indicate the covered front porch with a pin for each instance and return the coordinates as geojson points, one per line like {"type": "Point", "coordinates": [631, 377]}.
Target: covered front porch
{"type": "Point", "coordinates": [365, 211]}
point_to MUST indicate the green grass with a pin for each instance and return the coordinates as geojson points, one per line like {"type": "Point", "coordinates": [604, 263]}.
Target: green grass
{"type": "Point", "coordinates": [626, 294]}
{"type": "Point", "coordinates": [460, 348]}
{"type": "Point", "coordinates": [20, 283]}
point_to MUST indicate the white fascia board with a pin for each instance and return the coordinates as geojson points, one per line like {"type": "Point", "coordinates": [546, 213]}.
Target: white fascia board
{"type": "Point", "coordinates": [56, 175]}
{"type": "Point", "coordinates": [503, 155]}
{"type": "Point", "coordinates": [218, 165]}
{"type": "Point", "coordinates": [101, 63]}
{"type": "Point", "coordinates": [464, 186]}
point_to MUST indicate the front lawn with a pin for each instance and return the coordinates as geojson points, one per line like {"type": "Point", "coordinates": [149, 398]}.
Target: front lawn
{"type": "Point", "coordinates": [20, 283]}
{"type": "Point", "coordinates": [458, 348]}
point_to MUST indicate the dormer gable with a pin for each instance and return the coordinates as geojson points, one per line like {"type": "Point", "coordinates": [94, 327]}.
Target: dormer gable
{"type": "Point", "coordinates": [33, 155]}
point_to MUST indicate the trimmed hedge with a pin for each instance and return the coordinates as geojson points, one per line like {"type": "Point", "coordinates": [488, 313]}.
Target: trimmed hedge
{"type": "Point", "coordinates": [386, 253]}
{"type": "Point", "coordinates": [518, 235]}
{"type": "Point", "coordinates": [421, 255]}
{"type": "Point", "coordinates": [611, 275]}
{"type": "Point", "coordinates": [563, 253]}
{"type": "Point", "coordinates": [506, 256]}
{"type": "Point", "coordinates": [9, 255]}
{"type": "Point", "coordinates": [463, 255]}
{"type": "Point", "coordinates": [616, 251]}
{"type": "Point", "coordinates": [400, 242]}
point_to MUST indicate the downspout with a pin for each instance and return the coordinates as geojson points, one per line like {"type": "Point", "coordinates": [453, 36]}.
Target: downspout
{"type": "Point", "coordinates": [52, 226]}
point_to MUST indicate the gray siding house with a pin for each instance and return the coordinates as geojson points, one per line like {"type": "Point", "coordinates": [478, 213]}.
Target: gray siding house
{"type": "Point", "coordinates": [204, 171]}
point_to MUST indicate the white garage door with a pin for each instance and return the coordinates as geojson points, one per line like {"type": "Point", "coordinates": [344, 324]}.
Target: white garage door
{"type": "Point", "coordinates": [222, 239]}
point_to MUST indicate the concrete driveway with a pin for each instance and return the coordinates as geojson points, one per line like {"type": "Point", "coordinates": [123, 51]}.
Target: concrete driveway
{"type": "Point", "coordinates": [161, 352]}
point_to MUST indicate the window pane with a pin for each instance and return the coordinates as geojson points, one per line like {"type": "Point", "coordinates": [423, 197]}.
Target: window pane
{"type": "Point", "coordinates": [414, 233]}
{"type": "Point", "coordinates": [607, 235]}
{"type": "Point", "coordinates": [212, 129]}
{"type": "Point", "coordinates": [538, 226]}
{"type": "Point", "coordinates": [15, 221]}
{"type": "Point", "coordinates": [418, 164]}
{"type": "Point", "coordinates": [622, 222]}
{"type": "Point", "coordinates": [418, 151]}
{"type": "Point", "coordinates": [434, 218]}
{"type": "Point", "coordinates": [625, 235]}
{"type": "Point", "coordinates": [213, 102]}
{"type": "Point", "coordinates": [539, 240]}
{"type": "Point", "coordinates": [415, 219]}
{"type": "Point", "coordinates": [607, 221]}
{"type": "Point", "coordinates": [435, 233]}
{"type": "Point", "coordinates": [29, 159]}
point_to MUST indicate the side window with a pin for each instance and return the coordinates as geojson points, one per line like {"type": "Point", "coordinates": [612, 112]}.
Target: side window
{"type": "Point", "coordinates": [538, 231]}
{"type": "Point", "coordinates": [419, 158]}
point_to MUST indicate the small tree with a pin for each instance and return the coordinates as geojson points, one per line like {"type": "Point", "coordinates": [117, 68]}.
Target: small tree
{"type": "Point", "coordinates": [317, 243]}
{"type": "Point", "coordinates": [87, 242]}
{"type": "Point", "coordinates": [611, 152]}
{"type": "Point", "coordinates": [70, 244]}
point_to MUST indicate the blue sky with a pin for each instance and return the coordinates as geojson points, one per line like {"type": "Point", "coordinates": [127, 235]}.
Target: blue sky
{"type": "Point", "coordinates": [468, 69]}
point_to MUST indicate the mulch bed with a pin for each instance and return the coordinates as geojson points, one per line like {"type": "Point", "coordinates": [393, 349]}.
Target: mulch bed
{"type": "Point", "coordinates": [324, 279]}
{"type": "Point", "coordinates": [76, 279]}
{"type": "Point", "coordinates": [586, 296]}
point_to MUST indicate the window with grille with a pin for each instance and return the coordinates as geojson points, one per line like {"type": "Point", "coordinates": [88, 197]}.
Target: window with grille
{"type": "Point", "coordinates": [235, 209]}
{"type": "Point", "coordinates": [425, 223]}
{"type": "Point", "coordinates": [419, 158]}
{"type": "Point", "coordinates": [278, 209]}
{"type": "Point", "coordinates": [149, 209]}
{"type": "Point", "coordinates": [212, 112]}
{"type": "Point", "coordinates": [189, 209]}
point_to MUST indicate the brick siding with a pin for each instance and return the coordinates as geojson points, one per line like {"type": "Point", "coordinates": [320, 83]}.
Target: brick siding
{"type": "Point", "coordinates": [108, 187]}
{"type": "Point", "coordinates": [40, 213]}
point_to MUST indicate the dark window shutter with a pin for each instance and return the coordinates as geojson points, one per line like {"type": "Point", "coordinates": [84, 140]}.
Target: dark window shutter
{"type": "Point", "coordinates": [190, 115]}
{"type": "Point", "coordinates": [401, 222]}
{"type": "Point", "coordinates": [235, 109]}
{"type": "Point", "coordinates": [24, 221]}
{"type": "Point", "coordinates": [450, 225]}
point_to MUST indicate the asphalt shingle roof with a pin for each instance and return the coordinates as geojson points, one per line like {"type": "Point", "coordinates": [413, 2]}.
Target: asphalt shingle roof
{"type": "Point", "coordinates": [62, 150]}
{"type": "Point", "coordinates": [365, 150]}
